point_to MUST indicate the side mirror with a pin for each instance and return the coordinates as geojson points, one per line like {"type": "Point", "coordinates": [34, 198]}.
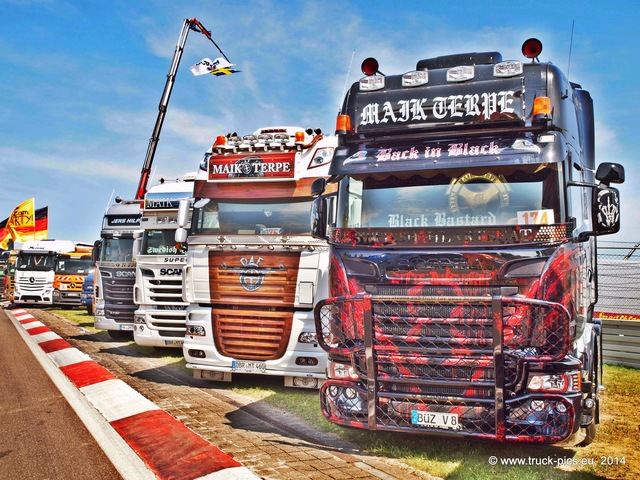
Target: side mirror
{"type": "Point", "coordinates": [181, 235]}
{"type": "Point", "coordinates": [183, 212]}
{"type": "Point", "coordinates": [609, 173]}
{"type": "Point", "coordinates": [137, 244]}
{"type": "Point", "coordinates": [318, 186]}
{"type": "Point", "coordinates": [95, 252]}
{"type": "Point", "coordinates": [318, 218]}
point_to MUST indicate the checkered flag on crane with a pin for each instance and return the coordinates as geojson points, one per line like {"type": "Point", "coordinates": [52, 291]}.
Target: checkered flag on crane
{"type": "Point", "coordinates": [217, 67]}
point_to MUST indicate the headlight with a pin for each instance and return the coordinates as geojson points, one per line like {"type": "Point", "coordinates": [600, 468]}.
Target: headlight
{"type": "Point", "coordinates": [558, 382]}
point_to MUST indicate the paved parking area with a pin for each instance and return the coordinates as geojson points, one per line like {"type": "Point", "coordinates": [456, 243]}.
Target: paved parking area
{"type": "Point", "coordinates": [267, 441]}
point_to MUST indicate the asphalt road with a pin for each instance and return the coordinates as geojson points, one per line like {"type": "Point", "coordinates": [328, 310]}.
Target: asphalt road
{"type": "Point", "coordinates": [41, 436]}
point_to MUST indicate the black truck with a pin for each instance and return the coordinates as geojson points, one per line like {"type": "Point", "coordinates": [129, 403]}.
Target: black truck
{"type": "Point", "coordinates": [462, 212]}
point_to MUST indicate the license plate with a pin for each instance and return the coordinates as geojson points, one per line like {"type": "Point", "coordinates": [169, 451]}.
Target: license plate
{"type": "Point", "coordinates": [248, 367]}
{"type": "Point", "coordinates": [447, 421]}
{"type": "Point", "coordinates": [173, 342]}
{"type": "Point", "coordinates": [126, 327]}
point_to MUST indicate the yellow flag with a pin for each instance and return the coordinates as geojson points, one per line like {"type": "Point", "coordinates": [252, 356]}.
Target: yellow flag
{"type": "Point", "coordinates": [21, 224]}
{"type": "Point", "coordinates": [23, 216]}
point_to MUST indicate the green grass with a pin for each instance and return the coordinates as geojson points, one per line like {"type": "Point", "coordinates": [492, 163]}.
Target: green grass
{"type": "Point", "coordinates": [618, 437]}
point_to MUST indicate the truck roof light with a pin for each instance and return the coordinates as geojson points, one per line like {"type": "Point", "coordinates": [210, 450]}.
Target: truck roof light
{"type": "Point", "coordinates": [532, 48]}
{"type": "Point", "coordinates": [234, 140]}
{"type": "Point", "coordinates": [370, 66]}
{"type": "Point", "coordinates": [541, 107]}
{"type": "Point", "coordinates": [415, 78]}
{"type": "Point", "coordinates": [509, 68]}
{"type": "Point", "coordinates": [343, 124]}
{"type": "Point", "coordinates": [299, 140]}
{"type": "Point", "coordinates": [368, 84]}
{"type": "Point", "coordinates": [460, 74]}
{"type": "Point", "coordinates": [248, 142]}
{"type": "Point", "coordinates": [221, 141]}
{"type": "Point", "coordinates": [281, 138]}
{"type": "Point", "coordinates": [265, 138]}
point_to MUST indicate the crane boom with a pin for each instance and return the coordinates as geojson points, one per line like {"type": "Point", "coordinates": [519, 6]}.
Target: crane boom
{"type": "Point", "coordinates": [189, 24]}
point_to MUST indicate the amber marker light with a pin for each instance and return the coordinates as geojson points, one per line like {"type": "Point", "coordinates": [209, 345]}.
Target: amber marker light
{"type": "Point", "coordinates": [221, 141]}
{"type": "Point", "coordinates": [542, 106]}
{"type": "Point", "coordinates": [343, 124]}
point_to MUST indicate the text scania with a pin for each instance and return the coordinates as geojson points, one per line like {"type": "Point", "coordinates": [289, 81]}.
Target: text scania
{"type": "Point", "coordinates": [257, 168]}
{"type": "Point", "coordinates": [170, 271]}
{"type": "Point", "coordinates": [482, 106]}
{"type": "Point", "coordinates": [125, 274]}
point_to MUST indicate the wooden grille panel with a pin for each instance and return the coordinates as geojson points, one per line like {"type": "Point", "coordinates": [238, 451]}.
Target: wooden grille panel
{"type": "Point", "coordinates": [272, 283]}
{"type": "Point", "coordinates": [251, 334]}
{"type": "Point", "coordinates": [245, 287]}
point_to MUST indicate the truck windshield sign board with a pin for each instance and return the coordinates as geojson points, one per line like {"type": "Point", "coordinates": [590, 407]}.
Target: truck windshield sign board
{"type": "Point", "coordinates": [123, 220]}
{"type": "Point", "coordinates": [435, 106]}
{"type": "Point", "coordinates": [252, 165]}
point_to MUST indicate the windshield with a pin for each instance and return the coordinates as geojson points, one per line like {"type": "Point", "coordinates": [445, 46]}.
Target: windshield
{"type": "Point", "coordinates": [35, 261]}
{"type": "Point", "coordinates": [117, 250]}
{"type": "Point", "coordinates": [73, 265]}
{"type": "Point", "coordinates": [504, 195]}
{"type": "Point", "coordinates": [232, 217]}
{"type": "Point", "coordinates": [161, 242]}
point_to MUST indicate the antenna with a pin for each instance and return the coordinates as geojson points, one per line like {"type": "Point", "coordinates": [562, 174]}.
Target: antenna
{"type": "Point", "coordinates": [573, 22]}
{"type": "Point", "coordinates": [109, 201]}
{"type": "Point", "coordinates": [346, 80]}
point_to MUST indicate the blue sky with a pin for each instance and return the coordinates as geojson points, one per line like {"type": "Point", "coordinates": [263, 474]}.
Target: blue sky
{"type": "Point", "coordinates": [81, 81]}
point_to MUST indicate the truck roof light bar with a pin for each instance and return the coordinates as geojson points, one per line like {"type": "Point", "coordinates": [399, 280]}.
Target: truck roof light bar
{"type": "Point", "coordinates": [415, 78]}
{"type": "Point", "coordinates": [532, 48]}
{"type": "Point", "coordinates": [508, 68]}
{"type": "Point", "coordinates": [461, 73]}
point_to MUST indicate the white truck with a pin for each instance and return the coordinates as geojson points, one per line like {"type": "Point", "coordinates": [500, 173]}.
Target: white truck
{"type": "Point", "coordinates": [254, 273]}
{"type": "Point", "coordinates": [34, 273]}
{"type": "Point", "coordinates": [161, 314]}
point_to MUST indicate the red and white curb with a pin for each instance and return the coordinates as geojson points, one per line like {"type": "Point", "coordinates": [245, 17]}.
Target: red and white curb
{"type": "Point", "coordinates": [167, 447]}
